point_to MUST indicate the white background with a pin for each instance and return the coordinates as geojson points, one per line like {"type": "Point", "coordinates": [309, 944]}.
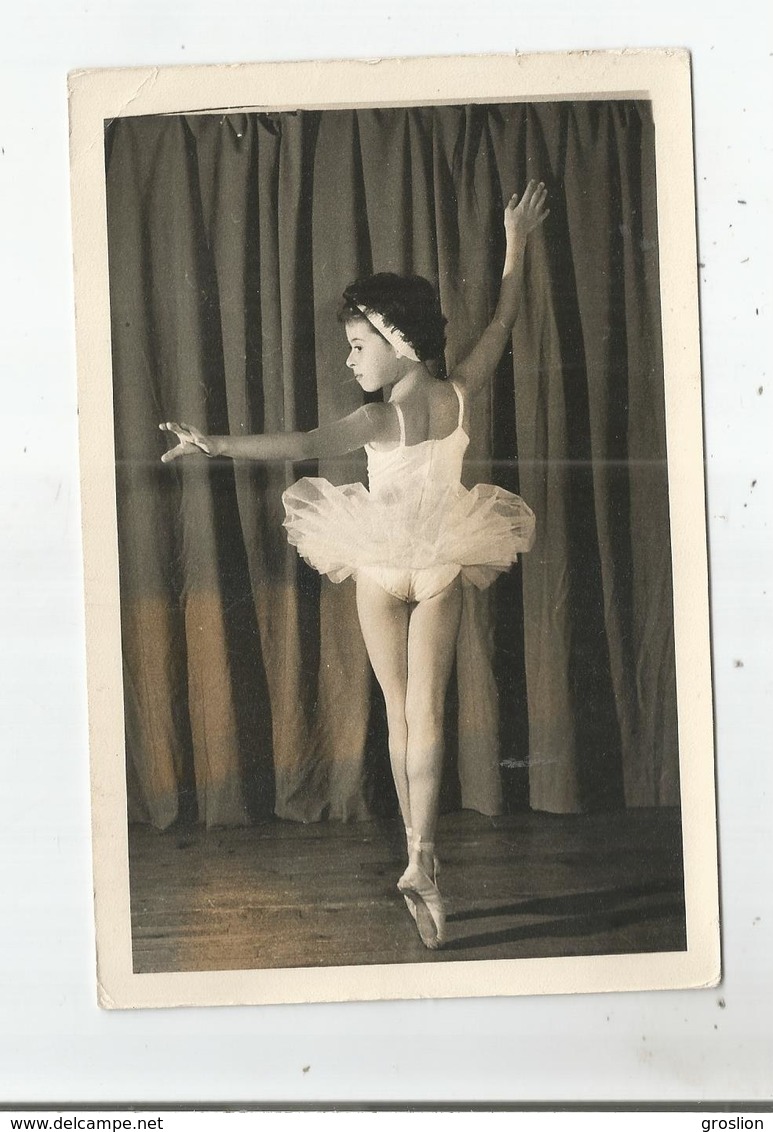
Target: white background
{"type": "Point", "coordinates": [55, 1044]}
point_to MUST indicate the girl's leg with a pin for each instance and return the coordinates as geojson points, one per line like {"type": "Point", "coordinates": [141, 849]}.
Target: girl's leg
{"type": "Point", "coordinates": [384, 624]}
{"type": "Point", "coordinates": [432, 633]}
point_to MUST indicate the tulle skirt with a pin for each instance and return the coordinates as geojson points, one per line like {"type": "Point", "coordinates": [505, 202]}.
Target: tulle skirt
{"type": "Point", "coordinates": [339, 530]}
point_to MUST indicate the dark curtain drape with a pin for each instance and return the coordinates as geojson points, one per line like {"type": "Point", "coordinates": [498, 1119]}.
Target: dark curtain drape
{"type": "Point", "coordinates": [231, 237]}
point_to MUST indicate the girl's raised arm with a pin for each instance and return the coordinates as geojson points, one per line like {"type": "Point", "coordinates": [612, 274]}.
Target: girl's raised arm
{"type": "Point", "coordinates": [371, 422]}
{"type": "Point", "coordinates": [521, 218]}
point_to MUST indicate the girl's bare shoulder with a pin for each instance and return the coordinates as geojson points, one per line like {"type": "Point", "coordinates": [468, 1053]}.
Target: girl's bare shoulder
{"type": "Point", "coordinates": [431, 412]}
{"type": "Point", "coordinates": [382, 418]}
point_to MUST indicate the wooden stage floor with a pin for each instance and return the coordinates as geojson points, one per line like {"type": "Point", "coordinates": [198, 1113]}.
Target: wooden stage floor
{"type": "Point", "coordinates": [524, 886]}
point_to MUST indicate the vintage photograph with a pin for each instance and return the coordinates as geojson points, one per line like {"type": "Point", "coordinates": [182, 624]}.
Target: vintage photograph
{"type": "Point", "coordinates": [385, 446]}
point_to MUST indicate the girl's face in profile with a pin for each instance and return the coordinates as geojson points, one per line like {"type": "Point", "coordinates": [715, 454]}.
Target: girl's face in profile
{"type": "Point", "coordinates": [371, 359]}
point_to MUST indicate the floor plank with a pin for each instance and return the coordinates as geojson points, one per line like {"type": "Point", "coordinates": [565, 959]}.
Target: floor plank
{"type": "Point", "coordinates": [286, 895]}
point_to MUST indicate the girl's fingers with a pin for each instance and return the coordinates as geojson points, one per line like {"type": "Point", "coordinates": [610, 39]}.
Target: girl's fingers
{"type": "Point", "coordinates": [527, 193]}
{"type": "Point", "coordinates": [538, 203]}
{"type": "Point", "coordinates": [192, 436]}
{"type": "Point", "coordinates": [185, 438]}
{"type": "Point", "coordinates": [186, 434]}
{"type": "Point", "coordinates": [533, 196]}
{"type": "Point", "coordinates": [181, 449]}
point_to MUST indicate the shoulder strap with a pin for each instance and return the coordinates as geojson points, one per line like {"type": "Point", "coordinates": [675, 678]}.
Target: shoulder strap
{"type": "Point", "coordinates": [458, 392]}
{"type": "Point", "coordinates": [401, 419]}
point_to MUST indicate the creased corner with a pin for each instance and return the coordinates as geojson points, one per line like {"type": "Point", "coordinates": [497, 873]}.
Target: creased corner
{"type": "Point", "coordinates": [146, 83]}
{"type": "Point", "coordinates": [105, 1000]}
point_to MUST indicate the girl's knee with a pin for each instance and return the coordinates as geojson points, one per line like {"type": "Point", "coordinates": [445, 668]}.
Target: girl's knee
{"type": "Point", "coordinates": [424, 715]}
{"type": "Point", "coordinates": [396, 717]}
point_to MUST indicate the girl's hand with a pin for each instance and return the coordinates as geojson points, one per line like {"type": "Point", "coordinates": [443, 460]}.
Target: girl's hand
{"type": "Point", "coordinates": [189, 440]}
{"type": "Point", "coordinates": [522, 217]}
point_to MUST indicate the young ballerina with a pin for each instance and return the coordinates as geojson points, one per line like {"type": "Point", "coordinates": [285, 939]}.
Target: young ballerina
{"type": "Point", "coordinates": [412, 537]}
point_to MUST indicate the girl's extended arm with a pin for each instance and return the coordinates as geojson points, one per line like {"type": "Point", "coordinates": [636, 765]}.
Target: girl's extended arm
{"type": "Point", "coordinates": [521, 218]}
{"type": "Point", "coordinates": [371, 422]}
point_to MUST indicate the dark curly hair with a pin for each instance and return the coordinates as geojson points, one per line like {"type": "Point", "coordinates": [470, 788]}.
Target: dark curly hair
{"type": "Point", "coordinates": [409, 303]}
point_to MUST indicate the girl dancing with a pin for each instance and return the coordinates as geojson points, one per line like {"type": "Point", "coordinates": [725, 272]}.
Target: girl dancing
{"type": "Point", "coordinates": [416, 533]}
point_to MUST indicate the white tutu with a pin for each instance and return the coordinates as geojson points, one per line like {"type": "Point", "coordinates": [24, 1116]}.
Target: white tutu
{"type": "Point", "coordinates": [339, 530]}
{"type": "Point", "coordinates": [416, 517]}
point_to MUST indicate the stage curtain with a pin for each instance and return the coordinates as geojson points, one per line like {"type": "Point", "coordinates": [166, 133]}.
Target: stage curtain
{"type": "Point", "coordinates": [231, 238]}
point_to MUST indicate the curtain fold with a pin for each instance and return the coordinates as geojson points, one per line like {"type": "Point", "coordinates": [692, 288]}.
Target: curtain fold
{"type": "Point", "coordinates": [231, 238]}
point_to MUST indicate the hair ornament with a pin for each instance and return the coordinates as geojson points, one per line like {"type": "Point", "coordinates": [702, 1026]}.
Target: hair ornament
{"type": "Point", "coordinates": [394, 337]}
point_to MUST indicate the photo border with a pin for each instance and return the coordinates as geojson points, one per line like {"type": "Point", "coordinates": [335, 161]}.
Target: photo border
{"type": "Point", "coordinates": [662, 77]}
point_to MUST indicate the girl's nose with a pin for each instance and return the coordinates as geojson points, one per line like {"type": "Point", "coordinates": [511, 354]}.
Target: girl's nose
{"type": "Point", "coordinates": [350, 360]}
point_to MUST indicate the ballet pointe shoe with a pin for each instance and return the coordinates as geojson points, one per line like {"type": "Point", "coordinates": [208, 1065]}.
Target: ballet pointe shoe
{"type": "Point", "coordinates": [421, 891]}
{"type": "Point", "coordinates": [409, 904]}
{"type": "Point", "coordinates": [435, 872]}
